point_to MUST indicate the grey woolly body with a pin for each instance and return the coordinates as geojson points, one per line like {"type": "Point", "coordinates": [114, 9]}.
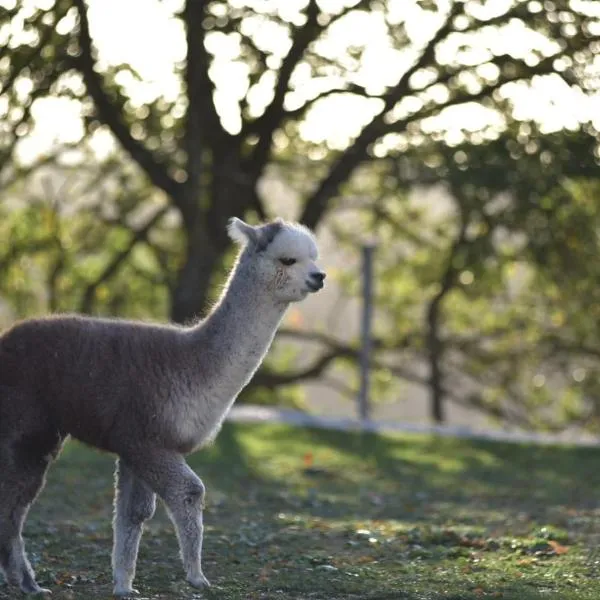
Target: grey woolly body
{"type": "Point", "coordinates": [94, 378]}
{"type": "Point", "coordinates": [148, 393]}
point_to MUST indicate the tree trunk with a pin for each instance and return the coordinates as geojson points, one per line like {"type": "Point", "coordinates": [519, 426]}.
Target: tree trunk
{"type": "Point", "coordinates": [435, 346]}
{"type": "Point", "coordinates": [435, 350]}
{"type": "Point", "coordinates": [190, 295]}
{"type": "Point", "coordinates": [232, 193]}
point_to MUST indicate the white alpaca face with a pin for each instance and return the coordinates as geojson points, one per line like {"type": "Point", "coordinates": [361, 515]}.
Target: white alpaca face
{"type": "Point", "coordinates": [285, 258]}
{"type": "Point", "coordinates": [293, 254]}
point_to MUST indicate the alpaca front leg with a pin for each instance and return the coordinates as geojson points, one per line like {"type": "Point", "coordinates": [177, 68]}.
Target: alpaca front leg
{"type": "Point", "coordinates": [135, 503]}
{"type": "Point", "coordinates": [186, 513]}
{"type": "Point", "coordinates": [183, 494]}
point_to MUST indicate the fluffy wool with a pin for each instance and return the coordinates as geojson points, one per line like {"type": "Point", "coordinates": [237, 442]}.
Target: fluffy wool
{"type": "Point", "coordinates": [148, 393]}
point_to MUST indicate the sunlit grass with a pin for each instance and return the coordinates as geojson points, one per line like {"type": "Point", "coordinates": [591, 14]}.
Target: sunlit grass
{"type": "Point", "coordinates": [300, 513]}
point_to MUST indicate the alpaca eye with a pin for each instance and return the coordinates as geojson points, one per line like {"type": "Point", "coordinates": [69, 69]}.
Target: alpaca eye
{"type": "Point", "coordinates": [288, 262]}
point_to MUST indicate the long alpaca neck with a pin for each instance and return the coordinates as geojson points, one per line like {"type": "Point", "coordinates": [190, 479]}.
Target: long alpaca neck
{"type": "Point", "coordinates": [244, 319]}
{"type": "Point", "coordinates": [232, 341]}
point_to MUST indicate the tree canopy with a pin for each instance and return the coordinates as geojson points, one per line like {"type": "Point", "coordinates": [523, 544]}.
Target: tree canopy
{"type": "Point", "coordinates": [475, 96]}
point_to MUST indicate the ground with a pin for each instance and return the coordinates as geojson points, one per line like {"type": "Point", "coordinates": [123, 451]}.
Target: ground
{"type": "Point", "coordinates": [320, 515]}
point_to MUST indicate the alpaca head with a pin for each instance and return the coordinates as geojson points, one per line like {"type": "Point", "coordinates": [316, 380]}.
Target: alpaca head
{"type": "Point", "coordinates": [282, 257]}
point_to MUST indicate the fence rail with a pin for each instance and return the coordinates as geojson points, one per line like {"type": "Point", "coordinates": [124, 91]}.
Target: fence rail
{"type": "Point", "coordinates": [246, 413]}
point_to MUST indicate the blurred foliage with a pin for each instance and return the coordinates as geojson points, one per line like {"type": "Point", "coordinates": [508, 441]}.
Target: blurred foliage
{"type": "Point", "coordinates": [508, 259]}
{"type": "Point", "coordinates": [64, 249]}
{"type": "Point", "coordinates": [492, 293]}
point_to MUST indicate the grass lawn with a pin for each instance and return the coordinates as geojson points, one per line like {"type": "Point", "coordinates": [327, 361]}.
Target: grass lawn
{"type": "Point", "coordinates": [376, 517]}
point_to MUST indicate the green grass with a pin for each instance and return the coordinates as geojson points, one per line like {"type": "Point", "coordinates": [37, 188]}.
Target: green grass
{"type": "Point", "coordinates": [379, 517]}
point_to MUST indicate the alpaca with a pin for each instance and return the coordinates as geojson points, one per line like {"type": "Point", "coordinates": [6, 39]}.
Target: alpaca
{"type": "Point", "coordinates": [148, 393]}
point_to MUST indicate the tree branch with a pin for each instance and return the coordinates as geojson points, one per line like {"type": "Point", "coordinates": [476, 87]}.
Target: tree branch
{"type": "Point", "coordinates": [309, 336]}
{"type": "Point", "coordinates": [557, 344]}
{"type": "Point", "coordinates": [270, 379]}
{"type": "Point", "coordinates": [352, 89]}
{"type": "Point", "coordinates": [545, 67]}
{"type": "Point", "coordinates": [8, 14]}
{"type": "Point", "coordinates": [87, 301]}
{"type": "Point", "coordinates": [357, 152]}
{"type": "Point", "coordinates": [18, 249]}
{"type": "Point", "coordinates": [110, 114]}
{"type": "Point", "coordinates": [6, 153]}
{"type": "Point", "coordinates": [267, 124]}
{"type": "Point", "coordinates": [47, 32]}
{"type": "Point", "coordinates": [335, 350]}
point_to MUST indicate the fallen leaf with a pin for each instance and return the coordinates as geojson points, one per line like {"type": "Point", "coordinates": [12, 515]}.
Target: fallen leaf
{"type": "Point", "coordinates": [558, 548]}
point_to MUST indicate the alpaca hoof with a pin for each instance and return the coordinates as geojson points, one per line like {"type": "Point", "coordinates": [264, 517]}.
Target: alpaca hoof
{"type": "Point", "coordinates": [198, 581]}
{"type": "Point", "coordinates": [35, 590]}
{"type": "Point", "coordinates": [121, 592]}
{"type": "Point", "coordinates": [30, 586]}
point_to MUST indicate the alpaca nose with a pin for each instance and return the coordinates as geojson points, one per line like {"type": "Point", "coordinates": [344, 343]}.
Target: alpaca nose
{"type": "Point", "coordinates": [316, 280]}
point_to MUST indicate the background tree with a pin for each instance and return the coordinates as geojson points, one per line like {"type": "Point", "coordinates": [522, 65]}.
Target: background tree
{"type": "Point", "coordinates": [486, 291]}
{"type": "Point", "coordinates": [455, 75]}
{"type": "Point", "coordinates": [209, 169]}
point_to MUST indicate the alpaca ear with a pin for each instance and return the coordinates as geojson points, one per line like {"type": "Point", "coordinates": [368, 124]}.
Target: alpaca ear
{"type": "Point", "coordinates": [267, 233]}
{"type": "Point", "coordinates": [241, 232]}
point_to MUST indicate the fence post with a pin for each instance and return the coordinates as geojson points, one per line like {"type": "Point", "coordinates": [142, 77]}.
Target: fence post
{"type": "Point", "coordinates": [366, 338]}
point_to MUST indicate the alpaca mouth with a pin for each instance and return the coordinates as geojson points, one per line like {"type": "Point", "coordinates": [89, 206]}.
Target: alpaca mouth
{"type": "Point", "coordinates": [314, 286]}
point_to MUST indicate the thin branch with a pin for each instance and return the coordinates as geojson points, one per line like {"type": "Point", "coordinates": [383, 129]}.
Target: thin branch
{"type": "Point", "coordinates": [332, 342]}
{"type": "Point", "coordinates": [111, 268]}
{"type": "Point", "coordinates": [110, 114]}
{"type": "Point", "coordinates": [335, 350]}
{"type": "Point", "coordinates": [268, 123]}
{"type": "Point", "coordinates": [357, 152]}
{"type": "Point", "coordinates": [561, 345]}
{"type": "Point", "coordinates": [427, 56]}
{"type": "Point", "coordinates": [8, 15]}
{"type": "Point", "coordinates": [361, 4]}
{"type": "Point", "coordinates": [6, 153]}
{"type": "Point", "coordinates": [35, 53]}
{"type": "Point", "coordinates": [255, 126]}
{"type": "Point", "coordinates": [350, 89]}
{"type": "Point", "coordinates": [545, 67]}
{"type": "Point", "coordinates": [16, 250]}
{"type": "Point", "coordinates": [518, 11]}
{"type": "Point", "coordinates": [310, 336]}
{"type": "Point", "coordinates": [338, 386]}
{"type": "Point", "coordinates": [9, 179]}
{"type": "Point", "coordinates": [270, 379]}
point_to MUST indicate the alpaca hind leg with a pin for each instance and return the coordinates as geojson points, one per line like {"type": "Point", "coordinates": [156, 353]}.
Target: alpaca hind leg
{"type": "Point", "coordinates": [21, 479]}
{"type": "Point", "coordinates": [13, 559]}
{"type": "Point", "coordinates": [183, 493]}
{"type": "Point", "coordinates": [135, 503]}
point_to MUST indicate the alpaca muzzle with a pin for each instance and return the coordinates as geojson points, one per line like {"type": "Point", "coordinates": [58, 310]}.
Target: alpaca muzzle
{"type": "Point", "coordinates": [315, 281]}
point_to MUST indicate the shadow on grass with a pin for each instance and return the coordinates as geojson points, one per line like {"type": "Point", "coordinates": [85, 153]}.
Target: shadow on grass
{"type": "Point", "coordinates": [296, 513]}
{"type": "Point", "coordinates": [430, 468]}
